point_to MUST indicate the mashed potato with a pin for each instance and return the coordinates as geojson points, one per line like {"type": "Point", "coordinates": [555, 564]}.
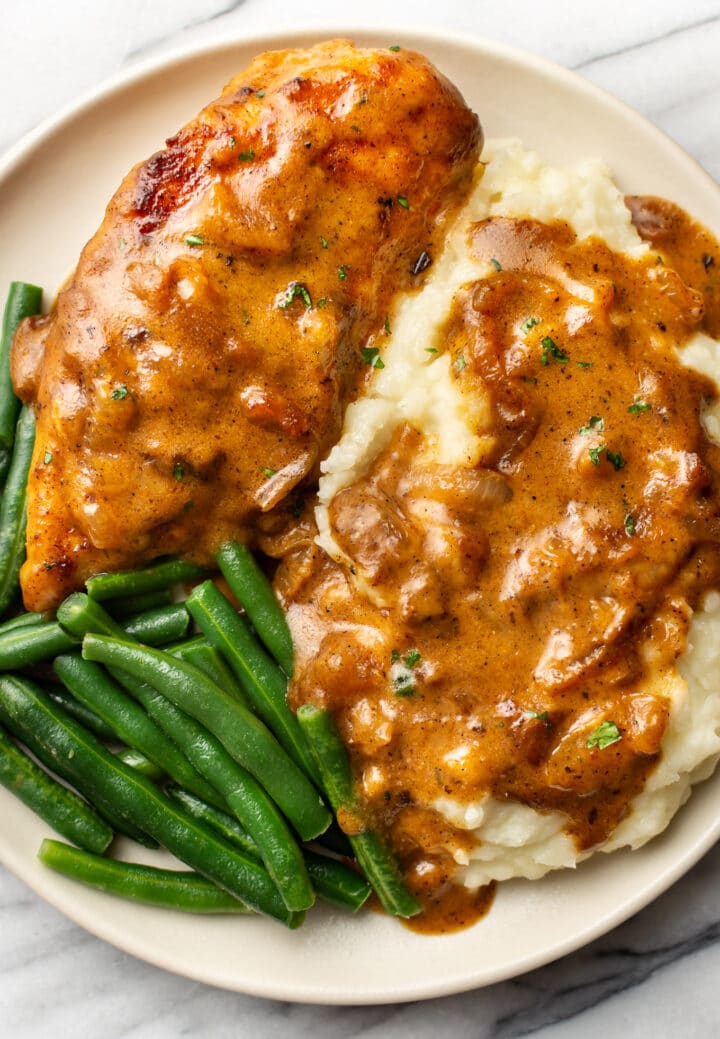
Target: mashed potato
{"type": "Point", "coordinates": [415, 386]}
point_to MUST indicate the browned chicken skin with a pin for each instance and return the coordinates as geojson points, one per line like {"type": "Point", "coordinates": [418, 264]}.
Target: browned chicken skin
{"type": "Point", "coordinates": [197, 366]}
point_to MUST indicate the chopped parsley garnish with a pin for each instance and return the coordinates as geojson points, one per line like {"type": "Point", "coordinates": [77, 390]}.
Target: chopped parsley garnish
{"type": "Point", "coordinates": [386, 325]}
{"type": "Point", "coordinates": [460, 364]}
{"type": "Point", "coordinates": [179, 471]}
{"type": "Point", "coordinates": [323, 242]}
{"type": "Point", "coordinates": [394, 47]}
{"type": "Point", "coordinates": [529, 379]}
{"type": "Point", "coordinates": [294, 290]}
{"type": "Point", "coordinates": [371, 356]}
{"type": "Point", "coordinates": [321, 302]}
{"type": "Point", "coordinates": [404, 688]}
{"type": "Point", "coordinates": [412, 658]}
{"type": "Point", "coordinates": [551, 351]}
{"type": "Point", "coordinates": [402, 201]}
{"type": "Point", "coordinates": [540, 716]}
{"type": "Point", "coordinates": [496, 263]}
{"type": "Point", "coordinates": [595, 453]}
{"type": "Point", "coordinates": [639, 406]}
{"type": "Point", "coordinates": [196, 240]}
{"type": "Point", "coordinates": [233, 142]}
{"type": "Point", "coordinates": [595, 425]}
{"type": "Point", "coordinates": [355, 128]}
{"type": "Point", "coordinates": [584, 364]}
{"type": "Point", "coordinates": [617, 460]}
{"type": "Point", "coordinates": [629, 523]}
{"type": "Point", "coordinates": [47, 457]}
{"type": "Point", "coordinates": [394, 656]}
{"type": "Point", "coordinates": [297, 506]}
{"type": "Point", "coordinates": [430, 350]}
{"type": "Point", "coordinates": [119, 393]}
{"type": "Point", "coordinates": [342, 272]}
{"type": "Point", "coordinates": [530, 323]}
{"type": "Point", "coordinates": [247, 156]}
{"type": "Point", "coordinates": [267, 472]}
{"type": "Point", "coordinates": [606, 734]}
{"type": "Point", "coordinates": [260, 93]}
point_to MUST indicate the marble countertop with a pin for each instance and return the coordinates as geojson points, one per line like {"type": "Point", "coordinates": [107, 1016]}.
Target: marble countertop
{"type": "Point", "coordinates": [657, 974]}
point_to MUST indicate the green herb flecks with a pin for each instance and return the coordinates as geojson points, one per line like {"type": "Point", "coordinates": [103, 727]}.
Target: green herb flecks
{"type": "Point", "coordinates": [584, 364]}
{"type": "Point", "coordinates": [394, 47]}
{"type": "Point", "coordinates": [539, 716]}
{"type": "Point", "coordinates": [386, 326]}
{"type": "Point", "coordinates": [47, 457]}
{"type": "Point", "coordinates": [120, 393]}
{"type": "Point", "coordinates": [247, 156]}
{"type": "Point", "coordinates": [629, 524]}
{"type": "Point", "coordinates": [460, 364]}
{"type": "Point", "coordinates": [638, 406]}
{"type": "Point", "coordinates": [595, 453]}
{"type": "Point", "coordinates": [323, 242]}
{"type": "Point", "coordinates": [595, 425]}
{"type": "Point", "coordinates": [616, 459]}
{"type": "Point", "coordinates": [295, 289]}
{"type": "Point", "coordinates": [195, 240]}
{"type": "Point", "coordinates": [371, 356]}
{"type": "Point", "coordinates": [342, 272]}
{"type": "Point", "coordinates": [551, 351]}
{"type": "Point", "coordinates": [179, 472]}
{"type": "Point", "coordinates": [604, 736]}
{"type": "Point", "coordinates": [402, 201]}
{"type": "Point", "coordinates": [496, 263]}
{"type": "Point", "coordinates": [266, 471]}
{"type": "Point", "coordinates": [530, 323]}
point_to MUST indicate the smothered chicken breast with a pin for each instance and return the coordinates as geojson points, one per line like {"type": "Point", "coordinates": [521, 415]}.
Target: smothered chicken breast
{"type": "Point", "coordinates": [197, 366]}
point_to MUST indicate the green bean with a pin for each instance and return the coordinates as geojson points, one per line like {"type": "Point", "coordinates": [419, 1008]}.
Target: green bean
{"type": "Point", "coordinates": [13, 513]}
{"type": "Point", "coordinates": [5, 460]}
{"type": "Point", "coordinates": [140, 763]}
{"type": "Point", "coordinates": [160, 626]}
{"type": "Point", "coordinates": [33, 643]}
{"type": "Point", "coordinates": [138, 582]}
{"type": "Point", "coordinates": [93, 687]}
{"type": "Point", "coordinates": [23, 620]}
{"type": "Point", "coordinates": [254, 592]}
{"type": "Point", "coordinates": [243, 735]}
{"type": "Point", "coordinates": [137, 800]}
{"type": "Point", "coordinates": [129, 605]}
{"type": "Point", "coordinates": [264, 683]}
{"type": "Point", "coordinates": [169, 888]}
{"type": "Point", "coordinates": [24, 647]}
{"type": "Point", "coordinates": [59, 807]}
{"type": "Point", "coordinates": [199, 652]}
{"type": "Point", "coordinates": [333, 881]}
{"type": "Point", "coordinates": [79, 614]}
{"type": "Point", "coordinates": [87, 717]}
{"type": "Point", "coordinates": [376, 861]}
{"type": "Point", "coordinates": [23, 300]}
{"type": "Point", "coordinates": [22, 728]}
{"type": "Point", "coordinates": [242, 794]}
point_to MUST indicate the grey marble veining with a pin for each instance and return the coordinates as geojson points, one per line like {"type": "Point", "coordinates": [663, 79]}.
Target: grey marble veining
{"type": "Point", "coordinates": [659, 974]}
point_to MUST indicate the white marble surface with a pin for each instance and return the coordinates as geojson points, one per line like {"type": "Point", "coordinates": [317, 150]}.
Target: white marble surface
{"type": "Point", "coordinates": [655, 976]}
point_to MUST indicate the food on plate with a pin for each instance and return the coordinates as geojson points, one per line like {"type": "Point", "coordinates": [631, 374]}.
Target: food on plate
{"type": "Point", "coordinates": [463, 405]}
{"type": "Point", "coordinates": [197, 366]}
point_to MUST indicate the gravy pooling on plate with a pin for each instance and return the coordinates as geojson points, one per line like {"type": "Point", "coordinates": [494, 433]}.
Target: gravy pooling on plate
{"type": "Point", "coordinates": [503, 630]}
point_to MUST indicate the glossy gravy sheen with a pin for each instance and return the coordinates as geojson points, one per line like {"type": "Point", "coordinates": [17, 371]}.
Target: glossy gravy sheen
{"type": "Point", "coordinates": [506, 629]}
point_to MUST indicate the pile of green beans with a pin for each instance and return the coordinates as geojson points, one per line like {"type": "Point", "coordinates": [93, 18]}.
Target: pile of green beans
{"type": "Point", "coordinates": [185, 741]}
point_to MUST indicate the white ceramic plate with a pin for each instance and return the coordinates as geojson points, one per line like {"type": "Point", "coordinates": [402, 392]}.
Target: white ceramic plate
{"type": "Point", "coordinates": [53, 189]}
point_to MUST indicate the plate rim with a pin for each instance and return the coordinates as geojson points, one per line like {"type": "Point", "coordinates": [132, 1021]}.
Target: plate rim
{"type": "Point", "coordinates": [417, 36]}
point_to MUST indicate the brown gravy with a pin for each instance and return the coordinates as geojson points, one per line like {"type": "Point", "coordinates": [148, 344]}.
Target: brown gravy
{"type": "Point", "coordinates": [518, 619]}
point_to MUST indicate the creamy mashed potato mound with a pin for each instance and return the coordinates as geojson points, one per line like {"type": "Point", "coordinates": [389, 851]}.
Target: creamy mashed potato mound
{"type": "Point", "coordinates": [416, 387]}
